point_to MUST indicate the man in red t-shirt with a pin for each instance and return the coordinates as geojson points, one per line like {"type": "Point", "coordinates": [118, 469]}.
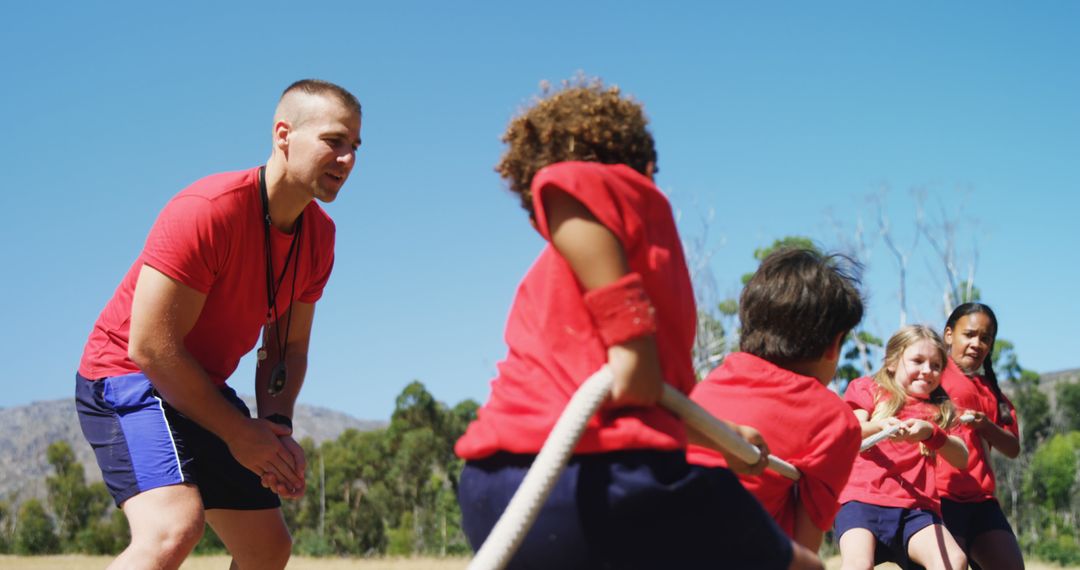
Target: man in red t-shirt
{"type": "Point", "coordinates": [795, 312]}
{"type": "Point", "coordinates": [232, 255]}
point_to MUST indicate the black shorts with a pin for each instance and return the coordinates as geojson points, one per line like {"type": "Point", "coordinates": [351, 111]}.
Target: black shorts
{"type": "Point", "coordinates": [141, 443]}
{"type": "Point", "coordinates": [966, 521]}
{"type": "Point", "coordinates": [893, 528]}
{"type": "Point", "coordinates": [628, 509]}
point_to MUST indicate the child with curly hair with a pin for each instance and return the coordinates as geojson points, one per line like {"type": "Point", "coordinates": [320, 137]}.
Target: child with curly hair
{"type": "Point", "coordinates": [611, 287]}
{"type": "Point", "coordinates": [891, 510]}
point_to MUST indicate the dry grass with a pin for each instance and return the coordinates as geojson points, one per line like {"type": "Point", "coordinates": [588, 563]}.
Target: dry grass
{"type": "Point", "coordinates": [834, 564]}
{"type": "Point", "coordinates": [79, 562]}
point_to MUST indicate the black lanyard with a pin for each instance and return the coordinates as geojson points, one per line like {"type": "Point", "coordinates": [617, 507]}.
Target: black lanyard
{"type": "Point", "coordinates": [279, 376]}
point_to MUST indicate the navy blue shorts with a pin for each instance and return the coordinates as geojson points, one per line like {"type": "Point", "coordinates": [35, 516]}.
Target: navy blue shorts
{"type": "Point", "coordinates": [141, 443]}
{"type": "Point", "coordinates": [628, 509]}
{"type": "Point", "coordinates": [893, 527]}
{"type": "Point", "coordinates": [966, 521]}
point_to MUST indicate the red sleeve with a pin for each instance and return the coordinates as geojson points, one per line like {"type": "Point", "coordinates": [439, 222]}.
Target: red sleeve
{"type": "Point", "coordinates": [323, 262]}
{"type": "Point", "coordinates": [188, 242]}
{"type": "Point", "coordinates": [827, 467]}
{"type": "Point", "coordinates": [593, 186]}
{"type": "Point", "coordinates": [859, 394]}
{"type": "Point", "coordinates": [321, 276]}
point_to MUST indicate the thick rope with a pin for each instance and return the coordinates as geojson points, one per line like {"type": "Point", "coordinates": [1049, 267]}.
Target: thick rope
{"type": "Point", "coordinates": [506, 536]}
{"type": "Point", "coordinates": [524, 506]}
{"type": "Point", "coordinates": [878, 438]}
{"type": "Point", "coordinates": [887, 432]}
{"type": "Point", "coordinates": [705, 423]}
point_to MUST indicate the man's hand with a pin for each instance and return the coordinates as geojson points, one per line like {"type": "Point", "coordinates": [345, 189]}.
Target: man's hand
{"type": "Point", "coordinates": [259, 448]}
{"type": "Point", "coordinates": [271, 481]}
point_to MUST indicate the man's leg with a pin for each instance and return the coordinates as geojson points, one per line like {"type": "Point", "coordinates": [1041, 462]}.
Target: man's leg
{"type": "Point", "coordinates": [166, 524]}
{"type": "Point", "coordinates": [256, 539]}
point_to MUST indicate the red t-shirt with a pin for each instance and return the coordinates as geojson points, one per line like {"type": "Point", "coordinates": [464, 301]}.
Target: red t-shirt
{"type": "Point", "coordinates": [802, 421]}
{"type": "Point", "coordinates": [892, 473]}
{"type": "Point", "coordinates": [211, 238]}
{"type": "Point", "coordinates": [976, 483]}
{"type": "Point", "coordinates": [552, 340]}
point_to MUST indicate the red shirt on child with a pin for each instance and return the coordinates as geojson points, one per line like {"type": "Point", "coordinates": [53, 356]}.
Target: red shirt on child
{"type": "Point", "coordinates": [976, 483]}
{"type": "Point", "coordinates": [210, 237]}
{"type": "Point", "coordinates": [892, 473]}
{"type": "Point", "coordinates": [803, 423]}
{"type": "Point", "coordinates": [553, 343]}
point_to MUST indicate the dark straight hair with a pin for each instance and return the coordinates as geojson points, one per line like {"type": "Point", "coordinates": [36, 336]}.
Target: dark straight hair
{"type": "Point", "coordinates": [988, 363]}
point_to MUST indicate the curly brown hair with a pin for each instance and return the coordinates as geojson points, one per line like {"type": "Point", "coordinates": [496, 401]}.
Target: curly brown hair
{"type": "Point", "coordinates": [583, 121]}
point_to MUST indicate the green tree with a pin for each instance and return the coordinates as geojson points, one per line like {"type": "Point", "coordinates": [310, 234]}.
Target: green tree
{"type": "Point", "coordinates": [5, 527]}
{"type": "Point", "coordinates": [1068, 406]}
{"type": "Point", "coordinates": [108, 535]}
{"type": "Point", "coordinates": [73, 503]}
{"type": "Point", "coordinates": [1052, 476]}
{"type": "Point", "coordinates": [1033, 409]}
{"type": "Point", "coordinates": [35, 532]}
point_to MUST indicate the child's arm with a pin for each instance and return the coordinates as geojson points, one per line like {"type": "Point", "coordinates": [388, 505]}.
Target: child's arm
{"type": "Point", "coordinates": [737, 465]}
{"type": "Point", "coordinates": [950, 447]}
{"type": "Point", "coordinates": [597, 259]}
{"type": "Point", "coordinates": [870, 427]}
{"type": "Point", "coordinates": [998, 438]}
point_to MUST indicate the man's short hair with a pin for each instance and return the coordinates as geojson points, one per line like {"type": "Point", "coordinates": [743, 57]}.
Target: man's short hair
{"type": "Point", "coordinates": [797, 303]}
{"type": "Point", "coordinates": [325, 88]}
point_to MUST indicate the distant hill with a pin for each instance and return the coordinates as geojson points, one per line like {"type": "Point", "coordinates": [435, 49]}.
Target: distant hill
{"type": "Point", "coordinates": [27, 431]}
{"type": "Point", "coordinates": [1049, 381]}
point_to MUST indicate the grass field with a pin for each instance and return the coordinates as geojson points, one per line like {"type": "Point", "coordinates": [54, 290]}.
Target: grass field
{"type": "Point", "coordinates": [78, 562]}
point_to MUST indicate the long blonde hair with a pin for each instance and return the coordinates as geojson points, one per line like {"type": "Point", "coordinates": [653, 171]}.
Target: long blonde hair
{"type": "Point", "coordinates": [891, 397]}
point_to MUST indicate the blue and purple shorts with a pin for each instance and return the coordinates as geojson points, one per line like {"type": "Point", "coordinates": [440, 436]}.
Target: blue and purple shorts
{"type": "Point", "coordinates": [141, 443]}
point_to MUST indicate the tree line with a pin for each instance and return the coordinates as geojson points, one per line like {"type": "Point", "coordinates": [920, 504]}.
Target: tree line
{"type": "Point", "coordinates": [390, 491]}
{"type": "Point", "coordinates": [393, 491]}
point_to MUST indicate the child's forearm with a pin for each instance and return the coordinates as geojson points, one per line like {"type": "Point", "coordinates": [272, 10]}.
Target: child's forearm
{"type": "Point", "coordinates": [1000, 439]}
{"type": "Point", "coordinates": [955, 452]}
{"type": "Point", "coordinates": [871, 427]}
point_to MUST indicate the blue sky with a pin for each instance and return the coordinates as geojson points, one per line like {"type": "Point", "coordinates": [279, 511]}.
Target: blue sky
{"type": "Point", "coordinates": [782, 118]}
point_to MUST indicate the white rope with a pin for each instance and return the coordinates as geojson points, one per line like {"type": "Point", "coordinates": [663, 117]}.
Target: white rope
{"type": "Point", "coordinates": [878, 437]}
{"type": "Point", "coordinates": [519, 515]}
{"type": "Point", "coordinates": [524, 506]}
{"type": "Point", "coordinates": [698, 418]}
{"type": "Point", "coordinates": [887, 432]}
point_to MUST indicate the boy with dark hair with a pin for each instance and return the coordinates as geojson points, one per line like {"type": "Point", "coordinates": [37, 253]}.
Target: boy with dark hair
{"type": "Point", "coordinates": [795, 313]}
{"type": "Point", "coordinates": [612, 287]}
